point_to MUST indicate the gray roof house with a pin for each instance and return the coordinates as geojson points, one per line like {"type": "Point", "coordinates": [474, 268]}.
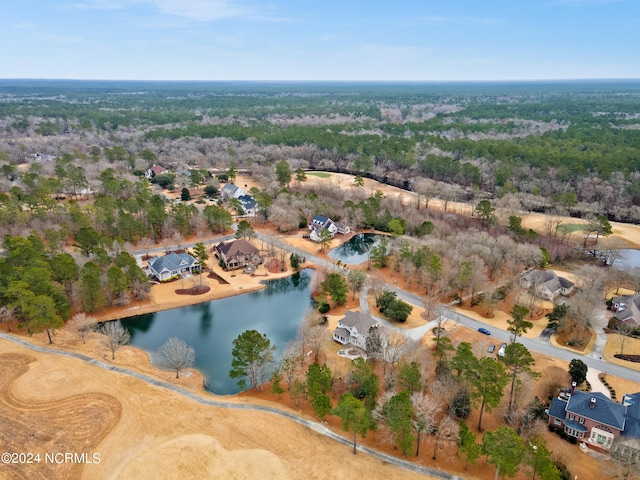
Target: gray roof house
{"type": "Point", "coordinates": [547, 284]}
{"type": "Point", "coordinates": [354, 328]}
{"type": "Point", "coordinates": [627, 308]}
{"type": "Point", "coordinates": [231, 190]}
{"type": "Point", "coordinates": [172, 265]}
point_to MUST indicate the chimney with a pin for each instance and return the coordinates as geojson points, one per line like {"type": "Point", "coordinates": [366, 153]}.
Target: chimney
{"type": "Point", "coordinates": [592, 405]}
{"type": "Point", "coordinates": [573, 387]}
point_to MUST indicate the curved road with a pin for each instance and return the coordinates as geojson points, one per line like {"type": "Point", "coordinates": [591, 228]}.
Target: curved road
{"type": "Point", "coordinates": [539, 345]}
{"type": "Point", "coordinates": [315, 426]}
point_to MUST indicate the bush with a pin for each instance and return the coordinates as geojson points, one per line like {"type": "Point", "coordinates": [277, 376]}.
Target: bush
{"type": "Point", "coordinates": [324, 307]}
{"type": "Point", "coordinates": [477, 300]}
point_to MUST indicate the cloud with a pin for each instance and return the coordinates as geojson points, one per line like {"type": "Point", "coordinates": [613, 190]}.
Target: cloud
{"type": "Point", "coordinates": [97, 5]}
{"type": "Point", "coordinates": [205, 10]}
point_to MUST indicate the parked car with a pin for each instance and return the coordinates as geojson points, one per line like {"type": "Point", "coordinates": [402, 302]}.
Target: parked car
{"type": "Point", "coordinates": [491, 349]}
{"type": "Point", "coordinates": [501, 351]}
{"type": "Point", "coordinates": [484, 330]}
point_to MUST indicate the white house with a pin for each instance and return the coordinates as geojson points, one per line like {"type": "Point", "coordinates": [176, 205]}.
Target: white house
{"type": "Point", "coordinates": [172, 265]}
{"type": "Point", "coordinates": [354, 329]}
{"type": "Point", "coordinates": [320, 222]}
{"type": "Point", "coordinates": [230, 190]}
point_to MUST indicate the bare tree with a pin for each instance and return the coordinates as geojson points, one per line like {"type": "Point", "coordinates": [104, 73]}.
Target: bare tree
{"type": "Point", "coordinates": [6, 315]}
{"type": "Point", "coordinates": [425, 411]}
{"type": "Point", "coordinates": [177, 354]}
{"type": "Point", "coordinates": [446, 431]}
{"type": "Point", "coordinates": [82, 324]}
{"type": "Point", "coordinates": [621, 333]}
{"type": "Point", "coordinates": [626, 459]}
{"type": "Point", "coordinates": [114, 336]}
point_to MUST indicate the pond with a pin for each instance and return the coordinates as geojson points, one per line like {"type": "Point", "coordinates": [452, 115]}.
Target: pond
{"type": "Point", "coordinates": [629, 258]}
{"type": "Point", "coordinates": [211, 327]}
{"type": "Point", "coordinates": [355, 251]}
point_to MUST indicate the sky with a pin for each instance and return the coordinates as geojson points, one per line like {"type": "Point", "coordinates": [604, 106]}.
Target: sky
{"type": "Point", "coordinates": [306, 40]}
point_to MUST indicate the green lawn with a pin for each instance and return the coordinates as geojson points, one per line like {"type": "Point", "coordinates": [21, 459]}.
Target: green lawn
{"type": "Point", "coordinates": [572, 227]}
{"type": "Point", "coordinates": [319, 174]}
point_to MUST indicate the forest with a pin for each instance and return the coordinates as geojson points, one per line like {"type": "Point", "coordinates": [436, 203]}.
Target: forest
{"type": "Point", "coordinates": [565, 147]}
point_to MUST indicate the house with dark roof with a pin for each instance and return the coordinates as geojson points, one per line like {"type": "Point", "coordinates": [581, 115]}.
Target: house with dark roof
{"type": "Point", "coordinates": [238, 254]}
{"type": "Point", "coordinates": [231, 190]}
{"type": "Point", "coordinates": [354, 328]}
{"type": "Point", "coordinates": [320, 222]}
{"type": "Point", "coordinates": [627, 308]}
{"type": "Point", "coordinates": [248, 205]}
{"type": "Point", "coordinates": [591, 417]}
{"type": "Point", "coordinates": [155, 170]}
{"type": "Point", "coordinates": [172, 265]}
{"type": "Point", "coordinates": [547, 284]}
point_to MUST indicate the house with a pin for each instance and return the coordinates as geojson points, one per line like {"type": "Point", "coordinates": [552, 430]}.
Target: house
{"type": "Point", "coordinates": [590, 417]}
{"type": "Point", "coordinates": [248, 205]}
{"type": "Point", "coordinates": [172, 265]}
{"type": "Point", "coordinates": [354, 329]}
{"type": "Point", "coordinates": [547, 284]}
{"type": "Point", "coordinates": [155, 170]}
{"type": "Point", "coordinates": [320, 222]}
{"type": "Point", "coordinates": [238, 254]}
{"type": "Point", "coordinates": [40, 157]}
{"type": "Point", "coordinates": [231, 190]}
{"type": "Point", "coordinates": [627, 308]}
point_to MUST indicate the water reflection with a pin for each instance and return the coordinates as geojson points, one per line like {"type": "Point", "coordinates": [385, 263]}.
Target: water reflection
{"type": "Point", "coordinates": [211, 327]}
{"type": "Point", "coordinates": [356, 250]}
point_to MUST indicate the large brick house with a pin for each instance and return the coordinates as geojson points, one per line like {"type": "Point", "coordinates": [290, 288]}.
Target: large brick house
{"type": "Point", "coordinates": [593, 418]}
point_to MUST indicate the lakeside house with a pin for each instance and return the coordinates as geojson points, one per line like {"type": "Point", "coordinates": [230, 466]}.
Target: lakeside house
{"type": "Point", "coordinates": [172, 265]}
{"type": "Point", "coordinates": [320, 222]}
{"type": "Point", "coordinates": [594, 419]}
{"type": "Point", "coordinates": [547, 284]}
{"type": "Point", "coordinates": [238, 254]}
{"type": "Point", "coordinates": [354, 328]}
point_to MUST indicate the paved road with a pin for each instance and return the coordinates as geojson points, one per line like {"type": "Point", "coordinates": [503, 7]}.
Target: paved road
{"type": "Point", "coordinates": [539, 345]}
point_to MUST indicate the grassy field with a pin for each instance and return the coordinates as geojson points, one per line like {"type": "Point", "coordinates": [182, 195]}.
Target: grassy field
{"type": "Point", "coordinates": [572, 227]}
{"type": "Point", "coordinates": [319, 174]}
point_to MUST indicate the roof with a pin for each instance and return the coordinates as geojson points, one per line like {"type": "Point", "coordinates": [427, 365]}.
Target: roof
{"type": "Point", "coordinates": [247, 201]}
{"type": "Point", "coordinates": [343, 332]}
{"type": "Point", "coordinates": [236, 247]}
{"type": "Point", "coordinates": [321, 221]}
{"type": "Point", "coordinates": [157, 169]}
{"type": "Point", "coordinates": [172, 261]}
{"type": "Point", "coordinates": [231, 190]}
{"type": "Point", "coordinates": [361, 321]}
{"type": "Point", "coordinates": [632, 427]}
{"type": "Point", "coordinates": [625, 310]}
{"type": "Point", "coordinates": [557, 408]}
{"type": "Point", "coordinates": [605, 410]}
{"type": "Point", "coordinates": [578, 427]}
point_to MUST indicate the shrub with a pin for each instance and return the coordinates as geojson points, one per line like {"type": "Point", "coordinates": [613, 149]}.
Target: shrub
{"type": "Point", "coordinates": [324, 307]}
